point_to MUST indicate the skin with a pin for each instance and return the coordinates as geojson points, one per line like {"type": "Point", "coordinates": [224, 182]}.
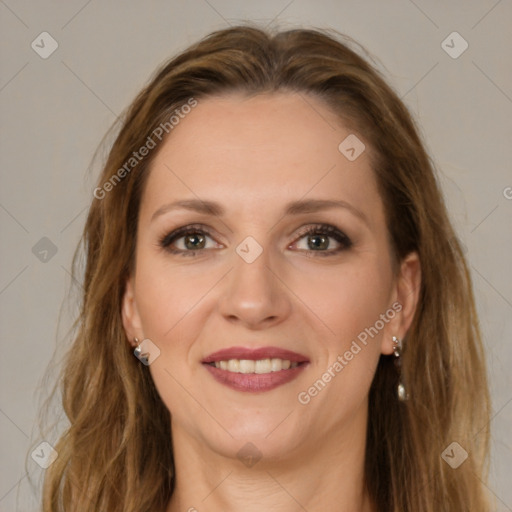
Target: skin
{"type": "Point", "coordinates": [253, 155]}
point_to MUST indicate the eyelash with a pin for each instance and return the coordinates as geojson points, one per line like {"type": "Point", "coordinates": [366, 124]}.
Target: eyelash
{"type": "Point", "coordinates": [317, 229]}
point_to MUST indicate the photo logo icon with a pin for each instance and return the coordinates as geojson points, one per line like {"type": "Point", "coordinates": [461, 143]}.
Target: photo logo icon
{"type": "Point", "coordinates": [249, 249]}
{"type": "Point", "coordinates": [44, 45]}
{"type": "Point", "coordinates": [454, 455]}
{"type": "Point", "coordinates": [249, 455]}
{"type": "Point", "coordinates": [44, 250]}
{"type": "Point", "coordinates": [351, 147]}
{"type": "Point", "coordinates": [44, 455]}
{"type": "Point", "coordinates": [454, 45]}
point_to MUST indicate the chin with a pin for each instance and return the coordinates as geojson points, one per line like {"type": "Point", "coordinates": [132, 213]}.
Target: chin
{"type": "Point", "coordinates": [251, 432]}
{"type": "Point", "coordinates": [251, 446]}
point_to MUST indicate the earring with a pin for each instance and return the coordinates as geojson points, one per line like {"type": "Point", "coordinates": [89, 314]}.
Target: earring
{"type": "Point", "coordinates": [397, 350]}
{"type": "Point", "coordinates": [142, 357]}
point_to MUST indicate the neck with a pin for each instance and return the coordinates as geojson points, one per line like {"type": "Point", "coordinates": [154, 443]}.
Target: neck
{"type": "Point", "coordinates": [325, 476]}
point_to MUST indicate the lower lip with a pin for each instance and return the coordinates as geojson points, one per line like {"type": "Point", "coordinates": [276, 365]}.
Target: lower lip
{"type": "Point", "coordinates": [254, 382]}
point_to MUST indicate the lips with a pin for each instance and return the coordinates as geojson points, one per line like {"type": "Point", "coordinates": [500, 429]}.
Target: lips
{"type": "Point", "coordinates": [272, 367]}
{"type": "Point", "coordinates": [255, 354]}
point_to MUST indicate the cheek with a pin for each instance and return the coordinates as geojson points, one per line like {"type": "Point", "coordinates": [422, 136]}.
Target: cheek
{"type": "Point", "coordinates": [346, 299]}
{"type": "Point", "coordinates": [167, 295]}
{"type": "Point", "coordinates": [350, 302]}
{"type": "Point", "coordinates": [169, 302]}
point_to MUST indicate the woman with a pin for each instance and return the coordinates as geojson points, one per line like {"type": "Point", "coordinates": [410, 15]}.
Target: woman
{"type": "Point", "coordinates": [277, 314]}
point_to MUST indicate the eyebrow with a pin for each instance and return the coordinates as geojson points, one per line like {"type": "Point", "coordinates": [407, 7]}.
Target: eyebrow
{"type": "Point", "coordinates": [293, 208]}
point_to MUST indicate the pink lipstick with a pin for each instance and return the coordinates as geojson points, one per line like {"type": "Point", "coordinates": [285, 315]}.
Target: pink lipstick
{"type": "Point", "coordinates": [255, 370]}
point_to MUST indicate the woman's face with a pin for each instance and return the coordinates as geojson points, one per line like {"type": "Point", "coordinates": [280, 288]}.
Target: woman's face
{"type": "Point", "coordinates": [267, 334]}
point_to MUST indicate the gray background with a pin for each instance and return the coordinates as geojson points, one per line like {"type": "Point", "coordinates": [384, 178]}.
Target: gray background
{"type": "Point", "coordinates": [55, 111]}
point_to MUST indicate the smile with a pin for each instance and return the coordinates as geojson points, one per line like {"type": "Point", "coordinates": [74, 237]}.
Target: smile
{"type": "Point", "coordinates": [255, 370]}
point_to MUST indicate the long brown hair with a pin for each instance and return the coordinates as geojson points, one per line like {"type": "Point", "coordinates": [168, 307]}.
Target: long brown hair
{"type": "Point", "coordinates": [116, 454]}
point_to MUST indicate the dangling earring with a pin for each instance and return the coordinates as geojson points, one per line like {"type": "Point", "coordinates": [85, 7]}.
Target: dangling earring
{"type": "Point", "coordinates": [397, 350]}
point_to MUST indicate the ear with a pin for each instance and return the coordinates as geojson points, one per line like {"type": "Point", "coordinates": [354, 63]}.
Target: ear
{"type": "Point", "coordinates": [130, 314]}
{"type": "Point", "coordinates": [405, 297]}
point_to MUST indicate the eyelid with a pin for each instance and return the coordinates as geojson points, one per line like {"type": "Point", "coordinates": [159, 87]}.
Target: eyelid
{"type": "Point", "coordinates": [324, 227]}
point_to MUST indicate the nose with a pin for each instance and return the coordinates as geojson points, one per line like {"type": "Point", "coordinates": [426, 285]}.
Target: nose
{"type": "Point", "coordinates": [255, 295]}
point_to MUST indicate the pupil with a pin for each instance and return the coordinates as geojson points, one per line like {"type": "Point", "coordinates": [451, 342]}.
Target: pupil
{"type": "Point", "coordinates": [193, 239]}
{"type": "Point", "coordinates": [322, 244]}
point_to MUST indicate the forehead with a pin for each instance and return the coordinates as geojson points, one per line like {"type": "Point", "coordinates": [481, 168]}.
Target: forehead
{"type": "Point", "coordinates": [259, 151]}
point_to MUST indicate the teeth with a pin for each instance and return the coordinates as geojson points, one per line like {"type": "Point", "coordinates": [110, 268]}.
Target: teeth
{"type": "Point", "coordinates": [234, 365]}
{"type": "Point", "coordinates": [263, 366]}
{"type": "Point", "coordinates": [276, 364]}
{"type": "Point", "coordinates": [246, 366]}
{"type": "Point", "coordinates": [259, 366]}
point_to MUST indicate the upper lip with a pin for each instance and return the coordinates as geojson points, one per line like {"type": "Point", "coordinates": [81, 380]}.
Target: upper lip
{"type": "Point", "coordinates": [255, 354]}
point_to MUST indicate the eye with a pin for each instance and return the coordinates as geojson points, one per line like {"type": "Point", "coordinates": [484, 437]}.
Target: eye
{"type": "Point", "coordinates": [186, 240]}
{"type": "Point", "coordinates": [318, 240]}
